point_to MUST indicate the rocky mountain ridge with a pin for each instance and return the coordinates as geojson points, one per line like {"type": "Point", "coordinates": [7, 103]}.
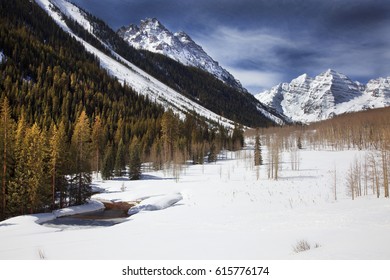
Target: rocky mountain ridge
{"type": "Point", "coordinates": [153, 36]}
{"type": "Point", "coordinates": [331, 93]}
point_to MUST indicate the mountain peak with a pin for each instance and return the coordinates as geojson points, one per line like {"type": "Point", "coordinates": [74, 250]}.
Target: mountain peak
{"type": "Point", "coordinates": [331, 72]}
{"type": "Point", "coordinates": [153, 36]}
{"type": "Point", "coordinates": [330, 93]}
{"type": "Point", "coordinates": [301, 79]}
{"type": "Point", "coordinates": [152, 23]}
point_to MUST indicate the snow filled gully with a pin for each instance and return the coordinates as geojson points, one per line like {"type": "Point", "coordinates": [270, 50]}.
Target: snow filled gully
{"type": "Point", "coordinates": [106, 213]}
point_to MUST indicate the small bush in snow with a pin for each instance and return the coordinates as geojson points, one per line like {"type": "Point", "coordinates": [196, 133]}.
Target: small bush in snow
{"type": "Point", "coordinates": [302, 245]}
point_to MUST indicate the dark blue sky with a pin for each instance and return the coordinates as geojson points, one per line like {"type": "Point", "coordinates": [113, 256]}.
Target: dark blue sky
{"type": "Point", "coordinates": [265, 42]}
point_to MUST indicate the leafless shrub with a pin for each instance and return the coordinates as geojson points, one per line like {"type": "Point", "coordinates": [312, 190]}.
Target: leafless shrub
{"type": "Point", "coordinates": [41, 254]}
{"type": "Point", "coordinates": [302, 245]}
{"type": "Point", "coordinates": [123, 187]}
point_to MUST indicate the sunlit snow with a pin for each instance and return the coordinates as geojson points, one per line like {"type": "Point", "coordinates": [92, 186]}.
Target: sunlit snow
{"type": "Point", "coordinates": [222, 211]}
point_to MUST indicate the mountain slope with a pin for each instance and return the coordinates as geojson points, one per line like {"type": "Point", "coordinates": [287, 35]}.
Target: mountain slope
{"type": "Point", "coordinates": [307, 99]}
{"type": "Point", "coordinates": [153, 36]}
{"type": "Point", "coordinates": [49, 77]}
{"type": "Point", "coordinates": [163, 80]}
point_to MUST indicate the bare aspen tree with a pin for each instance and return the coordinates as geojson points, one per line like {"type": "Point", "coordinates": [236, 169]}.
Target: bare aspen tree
{"type": "Point", "coordinates": [365, 174]}
{"type": "Point", "coordinates": [376, 182]}
{"type": "Point", "coordinates": [299, 142]}
{"type": "Point", "coordinates": [354, 179]}
{"type": "Point", "coordinates": [335, 182]}
{"type": "Point", "coordinates": [371, 175]}
{"type": "Point", "coordinates": [270, 164]}
{"type": "Point", "coordinates": [273, 159]}
{"type": "Point", "coordinates": [276, 155]}
{"type": "Point", "coordinates": [385, 176]}
{"type": "Point", "coordinates": [351, 182]}
{"type": "Point", "coordinates": [357, 171]}
{"type": "Point", "coordinates": [295, 158]}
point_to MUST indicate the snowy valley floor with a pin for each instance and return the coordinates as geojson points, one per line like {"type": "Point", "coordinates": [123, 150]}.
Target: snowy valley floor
{"type": "Point", "coordinates": [224, 213]}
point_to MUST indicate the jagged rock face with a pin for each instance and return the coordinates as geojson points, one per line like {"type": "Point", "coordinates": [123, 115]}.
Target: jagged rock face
{"type": "Point", "coordinates": [379, 88]}
{"type": "Point", "coordinates": [307, 99]}
{"type": "Point", "coordinates": [151, 35]}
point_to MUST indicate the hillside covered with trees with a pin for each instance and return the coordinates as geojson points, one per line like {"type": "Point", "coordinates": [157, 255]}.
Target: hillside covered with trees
{"type": "Point", "coordinates": [63, 117]}
{"type": "Point", "coordinates": [195, 84]}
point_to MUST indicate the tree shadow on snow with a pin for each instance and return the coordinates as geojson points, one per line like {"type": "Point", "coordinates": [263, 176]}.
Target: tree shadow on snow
{"type": "Point", "coordinates": [297, 177]}
{"type": "Point", "coordinates": [146, 177]}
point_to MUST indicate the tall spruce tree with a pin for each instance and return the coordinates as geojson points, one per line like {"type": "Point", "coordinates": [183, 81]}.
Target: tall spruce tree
{"type": "Point", "coordinates": [7, 127]}
{"type": "Point", "coordinates": [120, 159]}
{"type": "Point", "coordinates": [135, 160]}
{"type": "Point", "coordinates": [169, 131]}
{"type": "Point", "coordinates": [38, 190]}
{"type": "Point", "coordinates": [81, 147]}
{"type": "Point", "coordinates": [258, 155]}
{"type": "Point", "coordinates": [17, 191]}
{"type": "Point", "coordinates": [108, 162]}
{"type": "Point", "coordinates": [58, 164]}
{"type": "Point", "coordinates": [97, 143]}
{"type": "Point", "coordinates": [212, 156]}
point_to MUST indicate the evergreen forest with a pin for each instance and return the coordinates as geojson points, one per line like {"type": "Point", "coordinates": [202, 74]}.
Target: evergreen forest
{"type": "Point", "coordinates": [63, 119]}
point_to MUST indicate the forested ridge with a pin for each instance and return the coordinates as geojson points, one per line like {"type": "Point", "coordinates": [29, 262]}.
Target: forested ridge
{"type": "Point", "coordinates": [63, 117]}
{"type": "Point", "coordinates": [195, 84]}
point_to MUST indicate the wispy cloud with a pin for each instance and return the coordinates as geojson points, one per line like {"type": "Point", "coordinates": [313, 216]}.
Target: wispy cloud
{"type": "Point", "coordinates": [234, 46]}
{"type": "Point", "coordinates": [256, 81]}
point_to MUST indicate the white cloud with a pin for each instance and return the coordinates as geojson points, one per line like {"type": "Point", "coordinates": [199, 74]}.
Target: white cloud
{"type": "Point", "coordinates": [231, 46]}
{"type": "Point", "coordinates": [255, 80]}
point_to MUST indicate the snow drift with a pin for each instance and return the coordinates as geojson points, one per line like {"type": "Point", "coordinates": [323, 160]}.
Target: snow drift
{"type": "Point", "coordinates": [156, 203]}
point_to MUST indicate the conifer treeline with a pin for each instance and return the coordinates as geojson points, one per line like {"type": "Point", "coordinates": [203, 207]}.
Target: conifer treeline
{"type": "Point", "coordinates": [63, 117]}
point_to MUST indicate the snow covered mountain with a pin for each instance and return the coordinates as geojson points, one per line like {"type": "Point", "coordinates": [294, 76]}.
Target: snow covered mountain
{"type": "Point", "coordinates": [153, 36]}
{"type": "Point", "coordinates": [307, 99]}
{"type": "Point", "coordinates": [67, 15]}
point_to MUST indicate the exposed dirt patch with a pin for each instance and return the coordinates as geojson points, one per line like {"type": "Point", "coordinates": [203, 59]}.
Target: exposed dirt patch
{"type": "Point", "coordinates": [120, 205]}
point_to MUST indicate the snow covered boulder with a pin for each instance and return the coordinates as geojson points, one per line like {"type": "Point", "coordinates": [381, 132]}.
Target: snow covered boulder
{"type": "Point", "coordinates": [156, 203]}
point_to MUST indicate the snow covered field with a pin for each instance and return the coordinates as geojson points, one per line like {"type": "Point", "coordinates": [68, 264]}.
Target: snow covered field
{"type": "Point", "coordinates": [221, 211]}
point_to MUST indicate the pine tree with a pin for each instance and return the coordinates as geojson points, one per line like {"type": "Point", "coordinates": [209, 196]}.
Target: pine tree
{"type": "Point", "coordinates": [120, 159]}
{"type": "Point", "coordinates": [135, 160]}
{"type": "Point", "coordinates": [17, 191]}
{"type": "Point", "coordinates": [156, 154]}
{"type": "Point", "coordinates": [169, 129]}
{"type": "Point", "coordinates": [97, 143]}
{"type": "Point", "coordinates": [81, 147]}
{"type": "Point", "coordinates": [212, 156]}
{"type": "Point", "coordinates": [108, 162]}
{"type": "Point", "coordinates": [7, 127]}
{"type": "Point", "coordinates": [237, 137]}
{"type": "Point", "coordinates": [58, 163]}
{"type": "Point", "coordinates": [37, 189]}
{"type": "Point", "coordinates": [258, 155]}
